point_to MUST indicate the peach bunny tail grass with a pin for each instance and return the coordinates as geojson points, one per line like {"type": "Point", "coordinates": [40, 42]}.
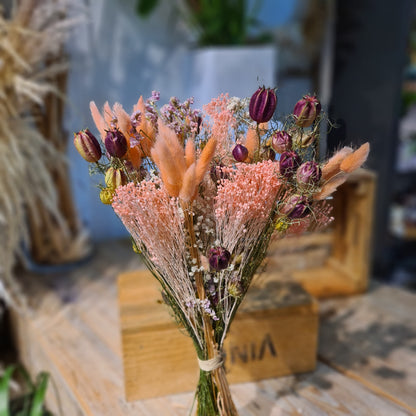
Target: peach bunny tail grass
{"type": "Point", "coordinates": [205, 159]}
{"type": "Point", "coordinates": [331, 186]}
{"type": "Point", "coordinates": [169, 173]}
{"type": "Point", "coordinates": [190, 153]}
{"type": "Point", "coordinates": [123, 119]}
{"type": "Point", "coordinates": [356, 159]}
{"type": "Point", "coordinates": [98, 119]}
{"type": "Point", "coordinates": [252, 143]}
{"type": "Point", "coordinates": [108, 114]}
{"type": "Point", "coordinates": [332, 167]}
{"type": "Point", "coordinates": [188, 184]}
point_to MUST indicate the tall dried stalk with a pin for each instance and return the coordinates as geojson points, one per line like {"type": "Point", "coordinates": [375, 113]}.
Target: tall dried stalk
{"type": "Point", "coordinates": [31, 163]}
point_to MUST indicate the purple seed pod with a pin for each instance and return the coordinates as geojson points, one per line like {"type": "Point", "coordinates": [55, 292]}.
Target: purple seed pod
{"type": "Point", "coordinates": [281, 141]}
{"type": "Point", "coordinates": [87, 146]}
{"type": "Point", "coordinates": [289, 162]}
{"type": "Point", "coordinates": [306, 110]}
{"type": "Point", "coordinates": [295, 207]}
{"type": "Point", "coordinates": [218, 258]}
{"type": "Point", "coordinates": [309, 173]}
{"type": "Point", "coordinates": [116, 143]}
{"type": "Point", "coordinates": [240, 153]}
{"type": "Point", "coordinates": [263, 104]}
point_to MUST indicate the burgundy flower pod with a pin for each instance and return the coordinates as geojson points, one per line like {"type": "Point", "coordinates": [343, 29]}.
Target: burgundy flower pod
{"type": "Point", "coordinates": [306, 110]}
{"type": "Point", "coordinates": [219, 258]}
{"type": "Point", "coordinates": [288, 164]}
{"type": "Point", "coordinates": [116, 143]}
{"type": "Point", "coordinates": [296, 207]}
{"type": "Point", "coordinates": [87, 146]}
{"type": "Point", "coordinates": [263, 104]}
{"type": "Point", "coordinates": [281, 141]}
{"type": "Point", "coordinates": [309, 173]}
{"type": "Point", "coordinates": [240, 153]}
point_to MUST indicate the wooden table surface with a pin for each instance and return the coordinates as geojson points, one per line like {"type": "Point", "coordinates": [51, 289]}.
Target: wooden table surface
{"type": "Point", "coordinates": [366, 363]}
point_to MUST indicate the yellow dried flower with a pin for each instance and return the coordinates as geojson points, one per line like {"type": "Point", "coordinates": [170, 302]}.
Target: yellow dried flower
{"type": "Point", "coordinates": [135, 248]}
{"type": "Point", "coordinates": [282, 225]}
{"type": "Point", "coordinates": [106, 196]}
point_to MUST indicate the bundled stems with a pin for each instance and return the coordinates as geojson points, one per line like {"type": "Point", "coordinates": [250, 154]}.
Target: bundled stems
{"type": "Point", "coordinates": [214, 382]}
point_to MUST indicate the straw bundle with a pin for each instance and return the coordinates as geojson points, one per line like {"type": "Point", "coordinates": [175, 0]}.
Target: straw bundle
{"type": "Point", "coordinates": [35, 208]}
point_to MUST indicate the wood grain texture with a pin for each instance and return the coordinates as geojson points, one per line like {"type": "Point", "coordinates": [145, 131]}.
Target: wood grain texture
{"type": "Point", "coordinates": [372, 338]}
{"type": "Point", "coordinates": [274, 334]}
{"type": "Point", "coordinates": [337, 262]}
{"type": "Point", "coordinates": [73, 333]}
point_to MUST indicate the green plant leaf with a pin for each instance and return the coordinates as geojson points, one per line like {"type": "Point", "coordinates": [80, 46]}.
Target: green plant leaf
{"type": "Point", "coordinates": [39, 395]}
{"type": "Point", "coordinates": [4, 390]}
{"type": "Point", "coordinates": [145, 7]}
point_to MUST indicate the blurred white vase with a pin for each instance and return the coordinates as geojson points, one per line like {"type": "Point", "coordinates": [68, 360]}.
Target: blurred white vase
{"type": "Point", "coordinates": [238, 71]}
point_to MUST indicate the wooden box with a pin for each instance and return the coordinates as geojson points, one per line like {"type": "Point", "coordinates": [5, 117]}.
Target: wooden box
{"type": "Point", "coordinates": [274, 334]}
{"type": "Point", "coordinates": [337, 261]}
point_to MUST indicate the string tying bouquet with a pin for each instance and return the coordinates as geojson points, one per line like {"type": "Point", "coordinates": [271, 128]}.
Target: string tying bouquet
{"type": "Point", "coordinates": [203, 193]}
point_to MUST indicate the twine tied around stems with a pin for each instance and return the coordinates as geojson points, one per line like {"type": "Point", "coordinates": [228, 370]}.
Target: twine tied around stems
{"type": "Point", "coordinates": [211, 364]}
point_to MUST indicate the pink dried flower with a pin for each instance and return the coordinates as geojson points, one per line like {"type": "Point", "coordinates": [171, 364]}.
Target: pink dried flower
{"type": "Point", "coordinates": [222, 121]}
{"type": "Point", "coordinates": [243, 202]}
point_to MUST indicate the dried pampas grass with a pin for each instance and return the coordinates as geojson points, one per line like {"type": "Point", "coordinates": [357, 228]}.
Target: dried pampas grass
{"type": "Point", "coordinates": [31, 40]}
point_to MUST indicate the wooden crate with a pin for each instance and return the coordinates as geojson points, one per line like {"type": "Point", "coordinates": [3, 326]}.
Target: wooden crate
{"type": "Point", "coordinates": [274, 334]}
{"type": "Point", "coordinates": [335, 262]}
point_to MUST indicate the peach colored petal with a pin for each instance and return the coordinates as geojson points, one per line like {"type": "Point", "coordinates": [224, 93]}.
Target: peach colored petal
{"type": "Point", "coordinates": [108, 113]}
{"type": "Point", "coordinates": [356, 159]}
{"type": "Point", "coordinates": [205, 159]}
{"type": "Point", "coordinates": [175, 148]}
{"type": "Point", "coordinates": [252, 143]}
{"type": "Point", "coordinates": [171, 176]}
{"type": "Point", "coordinates": [98, 120]}
{"type": "Point", "coordinates": [145, 128]}
{"type": "Point", "coordinates": [123, 119]}
{"type": "Point", "coordinates": [332, 167]}
{"type": "Point", "coordinates": [330, 186]}
{"type": "Point", "coordinates": [190, 152]}
{"type": "Point", "coordinates": [139, 106]}
{"type": "Point", "coordinates": [134, 154]}
{"type": "Point", "coordinates": [188, 184]}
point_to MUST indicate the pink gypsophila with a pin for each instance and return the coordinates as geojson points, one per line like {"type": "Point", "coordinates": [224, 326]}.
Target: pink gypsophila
{"type": "Point", "coordinates": [152, 218]}
{"type": "Point", "coordinates": [222, 121]}
{"type": "Point", "coordinates": [244, 203]}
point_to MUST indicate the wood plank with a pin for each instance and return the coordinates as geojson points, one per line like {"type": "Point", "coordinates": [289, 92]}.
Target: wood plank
{"type": "Point", "coordinates": [373, 339]}
{"type": "Point", "coordinates": [327, 281]}
{"type": "Point", "coordinates": [325, 392]}
{"type": "Point", "coordinates": [353, 212]}
{"type": "Point", "coordinates": [73, 334]}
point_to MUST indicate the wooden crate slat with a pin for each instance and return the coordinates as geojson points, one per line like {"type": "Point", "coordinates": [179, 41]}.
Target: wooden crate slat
{"type": "Point", "coordinates": [274, 333]}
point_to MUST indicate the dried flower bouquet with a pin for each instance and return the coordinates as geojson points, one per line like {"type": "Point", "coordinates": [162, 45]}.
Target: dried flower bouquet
{"type": "Point", "coordinates": [203, 193]}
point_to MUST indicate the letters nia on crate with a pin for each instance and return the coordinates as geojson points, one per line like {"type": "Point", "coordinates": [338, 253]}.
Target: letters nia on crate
{"type": "Point", "coordinates": [274, 334]}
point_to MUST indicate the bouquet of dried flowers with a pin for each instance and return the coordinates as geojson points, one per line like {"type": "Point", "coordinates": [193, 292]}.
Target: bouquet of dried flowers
{"type": "Point", "coordinates": [203, 193]}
